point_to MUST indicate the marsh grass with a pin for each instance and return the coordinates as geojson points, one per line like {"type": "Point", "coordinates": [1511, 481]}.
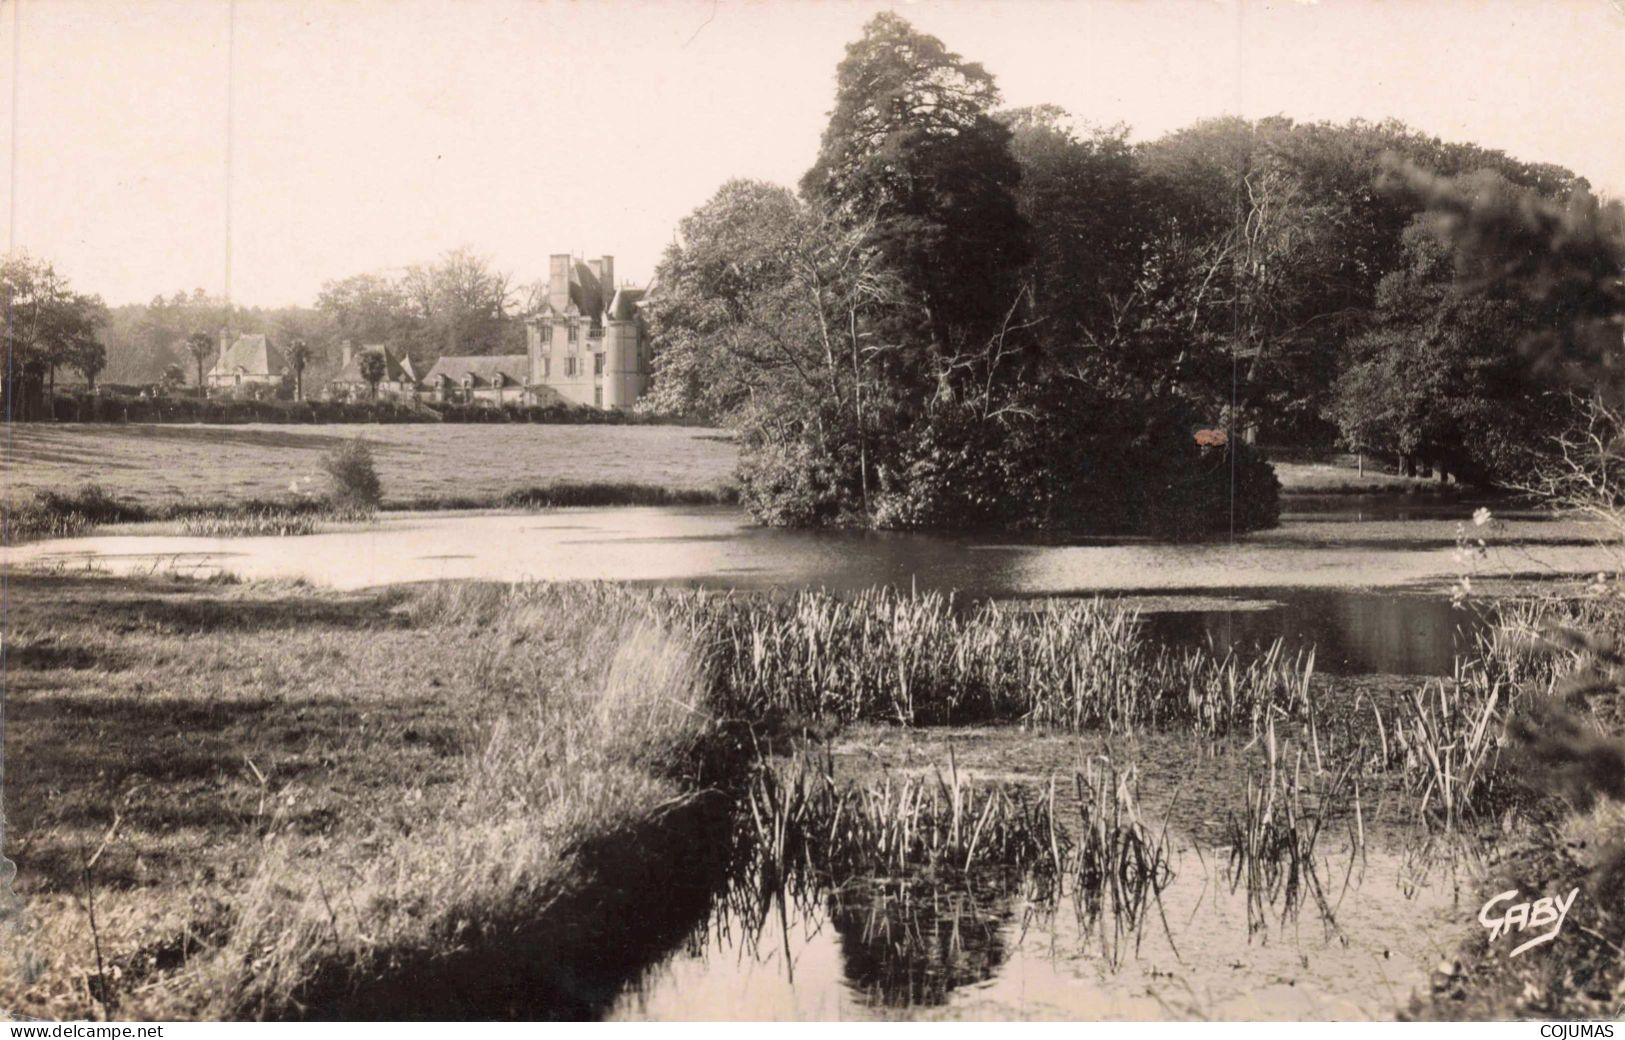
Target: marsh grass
{"type": "Point", "coordinates": [1451, 733]}
{"type": "Point", "coordinates": [276, 523]}
{"type": "Point", "coordinates": [924, 659]}
{"type": "Point", "coordinates": [380, 841]}
{"type": "Point", "coordinates": [802, 822]}
{"type": "Point", "coordinates": [802, 818]}
{"type": "Point", "coordinates": [461, 796]}
{"type": "Point", "coordinates": [54, 514]}
{"type": "Point", "coordinates": [1273, 840]}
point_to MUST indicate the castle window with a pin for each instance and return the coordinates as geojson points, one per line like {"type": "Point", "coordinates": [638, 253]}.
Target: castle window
{"type": "Point", "coordinates": [575, 331]}
{"type": "Point", "coordinates": [598, 396]}
{"type": "Point", "coordinates": [569, 366]}
{"type": "Point", "coordinates": [598, 364]}
{"type": "Point", "coordinates": [547, 367]}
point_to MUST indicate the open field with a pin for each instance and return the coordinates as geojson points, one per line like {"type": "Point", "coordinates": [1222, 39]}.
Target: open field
{"type": "Point", "coordinates": [157, 465]}
{"type": "Point", "coordinates": [162, 465]}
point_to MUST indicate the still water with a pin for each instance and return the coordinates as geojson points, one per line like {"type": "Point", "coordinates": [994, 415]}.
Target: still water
{"type": "Point", "coordinates": [1311, 580]}
{"type": "Point", "coordinates": [887, 949]}
{"type": "Point", "coordinates": [1353, 631]}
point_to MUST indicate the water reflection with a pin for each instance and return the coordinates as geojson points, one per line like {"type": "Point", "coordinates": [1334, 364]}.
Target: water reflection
{"type": "Point", "coordinates": [905, 943]}
{"type": "Point", "coordinates": [1353, 632]}
{"type": "Point", "coordinates": [1004, 950]}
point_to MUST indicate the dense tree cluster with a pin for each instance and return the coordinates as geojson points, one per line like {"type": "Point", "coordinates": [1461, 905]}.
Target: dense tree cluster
{"type": "Point", "coordinates": [47, 326]}
{"type": "Point", "coordinates": [970, 315]}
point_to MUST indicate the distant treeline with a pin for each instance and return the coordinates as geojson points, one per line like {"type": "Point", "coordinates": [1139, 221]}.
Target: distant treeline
{"type": "Point", "coordinates": [120, 408]}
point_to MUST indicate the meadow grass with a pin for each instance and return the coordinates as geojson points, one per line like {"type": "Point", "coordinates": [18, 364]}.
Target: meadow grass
{"type": "Point", "coordinates": [158, 465]}
{"type": "Point", "coordinates": [261, 800]}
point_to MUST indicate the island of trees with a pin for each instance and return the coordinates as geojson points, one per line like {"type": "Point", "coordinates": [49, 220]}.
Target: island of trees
{"type": "Point", "coordinates": [974, 316]}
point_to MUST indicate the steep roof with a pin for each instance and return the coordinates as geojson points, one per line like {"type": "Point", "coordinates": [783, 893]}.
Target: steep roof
{"type": "Point", "coordinates": [396, 369]}
{"type": "Point", "coordinates": [252, 355]}
{"type": "Point", "coordinates": [624, 307]}
{"type": "Point", "coordinates": [487, 369]}
{"type": "Point", "coordinates": [587, 294]}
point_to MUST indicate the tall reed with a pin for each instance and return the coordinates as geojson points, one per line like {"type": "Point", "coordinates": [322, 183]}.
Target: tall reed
{"type": "Point", "coordinates": [923, 658]}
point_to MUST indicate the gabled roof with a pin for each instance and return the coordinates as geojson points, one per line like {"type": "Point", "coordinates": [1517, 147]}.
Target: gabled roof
{"type": "Point", "coordinates": [396, 369]}
{"type": "Point", "coordinates": [252, 355]}
{"type": "Point", "coordinates": [486, 369]}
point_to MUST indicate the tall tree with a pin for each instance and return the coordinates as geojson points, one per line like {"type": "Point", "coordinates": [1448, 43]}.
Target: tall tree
{"type": "Point", "coordinates": [366, 308]}
{"type": "Point", "coordinates": [88, 358]}
{"type": "Point", "coordinates": [299, 355]}
{"type": "Point", "coordinates": [462, 303]}
{"type": "Point", "coordinates": [1438, 377]}
{"type": "Point", "coordinates": [201, 346]}
{"type": "Point", "coordinates": [373, 368]}
{"type": "Point", "coordinates": [912, 146]}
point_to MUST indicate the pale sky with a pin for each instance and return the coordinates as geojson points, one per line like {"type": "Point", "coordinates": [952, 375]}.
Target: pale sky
{"type": "Point", "coordinates": [367, 135]}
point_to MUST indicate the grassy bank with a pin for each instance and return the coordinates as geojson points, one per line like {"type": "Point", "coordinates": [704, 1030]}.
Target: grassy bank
{"type": "Point", "coordinates": [53, 514]}
{"type": "Point", "coordinates": [244, 801]}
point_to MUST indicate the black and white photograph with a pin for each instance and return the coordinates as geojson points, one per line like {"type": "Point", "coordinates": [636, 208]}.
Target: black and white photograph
{"type": "Point", "coordinates": [766, 510]}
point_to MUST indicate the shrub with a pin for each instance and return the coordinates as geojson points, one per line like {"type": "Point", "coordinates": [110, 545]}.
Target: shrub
{"type": "Point", "coordinates": [56, 515]}
{"type": "Point", "coordinates": [1073, 462]}
{"type": "Point", "coordinates": [352, 477]}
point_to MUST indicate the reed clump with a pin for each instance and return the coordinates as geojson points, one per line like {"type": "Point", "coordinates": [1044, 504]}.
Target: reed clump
{"type": "Point", "coordinates": [1273, 839]}
{"type": "Point", "coordinates": [806, 826]}
{"type": "Point", "coordinates": [924, 659]}
{"type": "Point", "coordinates": [1451, 734]}
{"type": "Point", "coordinates": [258, 524]}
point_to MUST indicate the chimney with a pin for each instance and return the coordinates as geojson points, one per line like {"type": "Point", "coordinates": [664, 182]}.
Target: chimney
{"type": "Point", "coordinates": [346, 351]}
{"type": "Point", "coordinates": [558, 281]}
{"type": "Point", "coordinates": [606, 278]}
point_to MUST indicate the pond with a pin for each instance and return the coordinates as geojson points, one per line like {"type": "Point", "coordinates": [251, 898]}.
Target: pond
{"type": "Point", "coordinates": [1311, 581]}
{"type": "Point", "coordinates": [1352, 631]}
{"type": "Point", "coordinates": [891, 948]}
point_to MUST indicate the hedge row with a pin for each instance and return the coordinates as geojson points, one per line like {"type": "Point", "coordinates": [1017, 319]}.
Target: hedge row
{"type": "Point", "coordinates": [121, 409]}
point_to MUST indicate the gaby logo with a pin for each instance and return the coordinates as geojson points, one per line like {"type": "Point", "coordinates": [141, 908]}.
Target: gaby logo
{"type": "Point", "coordinates": [1503, 917]}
